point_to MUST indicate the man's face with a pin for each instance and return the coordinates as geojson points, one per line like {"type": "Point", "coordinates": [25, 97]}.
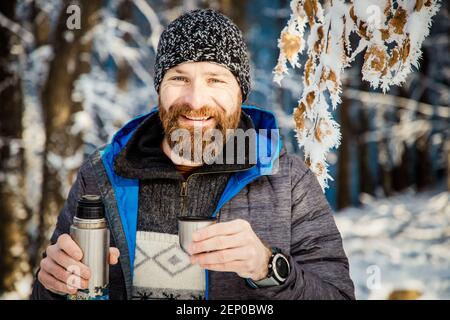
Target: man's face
{"type": "Point", "coordinates": [198, 96]}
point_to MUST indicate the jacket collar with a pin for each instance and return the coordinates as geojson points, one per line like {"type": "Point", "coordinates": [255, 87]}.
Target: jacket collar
{"type": "Point", "coordinates": [268, 146]}
{"type": "Point", "coordinates": [142, 157]}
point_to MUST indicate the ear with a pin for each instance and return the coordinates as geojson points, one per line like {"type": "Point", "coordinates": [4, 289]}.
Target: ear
{"type": "Point", "coordinates": [240, 96]}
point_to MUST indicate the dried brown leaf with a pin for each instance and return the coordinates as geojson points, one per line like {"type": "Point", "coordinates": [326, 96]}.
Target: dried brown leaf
{"type": "Point", "coordinates": [399, 20]}
{"type": "Point", "coordinates": [299, 116]}
{"type": "Point", "coordinates": [290, 44]}
{"type": "Point", "coordinates": [419, 5]}
{"type": "Point", "coordinates": [319, 42]}
{"type": "Point", "coordinates": [353, 15]}
{"type": "Point", "coordinates": [385, 34]}
{"type": "Point", "coordinates": [406, 49]}
{"type": "Point", "coordinates": [318, 132]}
{"type": "Point", "coordinates": [311, 8]}
{"type": "Point", "coordinates": [362, 30]}
{"type": "Point", "coordinates": [377, 57]}
{"type": "Point", "coordinates": [388, 7]}
{"type": "Point", "coordinates": [332, 76]}
{"type": "Point", "coordinates": [279, 68]}
{"type": "Point", "coordinates": [308, 161]}
{"type": "Point", "coordinates": [310, 97]}
{"type": "Point", "coordinates": [394, 58]}
{"type": "Point", "coordinates": [320, 168]}
{"type": "Point", "coordinates": [309, 69]}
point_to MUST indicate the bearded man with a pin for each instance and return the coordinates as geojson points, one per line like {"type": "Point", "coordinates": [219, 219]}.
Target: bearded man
{"type": "Point", "coordinates": [275, 236]}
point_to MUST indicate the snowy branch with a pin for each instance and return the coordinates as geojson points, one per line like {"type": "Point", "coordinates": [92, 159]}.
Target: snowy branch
{"type": "Point", "coordinates": [152, 18]}
{"type": "Point", "coordinates": [402, 102]}
{"type": "Point", "coordinates": [391, 35]}
{"type": "Point", "coordinates": [15, 28]}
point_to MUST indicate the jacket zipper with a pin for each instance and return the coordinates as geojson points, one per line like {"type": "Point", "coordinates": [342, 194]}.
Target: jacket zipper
{"type": "Point", "coordinates": [184, 188]}
{"type": "Point", "coordinates": [183, 195]}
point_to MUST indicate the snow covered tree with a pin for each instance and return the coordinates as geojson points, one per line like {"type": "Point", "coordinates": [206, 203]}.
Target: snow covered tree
{"type": "Point", "coordinates": [390, 32]}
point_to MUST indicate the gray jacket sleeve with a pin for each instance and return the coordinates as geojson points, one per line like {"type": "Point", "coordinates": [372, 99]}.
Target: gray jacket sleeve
{"type": "Point", "coordinates": [319, 265]}
{"type": "Point", "coordinates": [80, 187]}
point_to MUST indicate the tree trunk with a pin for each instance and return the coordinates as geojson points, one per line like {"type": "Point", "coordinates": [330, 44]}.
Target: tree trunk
{"type": "Point", "coordinates": [423, 171]}
{"type": "Point", "coordinates": [366, 181]}
{"type": "Point", "coordinates": [400, 173]}
{"type": "Point", "coordinates": [12, 243]}
{"type": "Point", "coordinates": [71, 59]}
{"type": "Point", "coordinates": [343, 172]}
{"type": "Point", "coordinates": [447, 157]}
{"type": "Point", "coordinates": [235, 9]}
{"type": "Point", "coordinates": [123, 70]}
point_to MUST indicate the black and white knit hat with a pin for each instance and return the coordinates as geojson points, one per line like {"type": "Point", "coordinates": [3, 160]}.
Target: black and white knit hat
{"type": "Point", "coordinates": [203, 35]}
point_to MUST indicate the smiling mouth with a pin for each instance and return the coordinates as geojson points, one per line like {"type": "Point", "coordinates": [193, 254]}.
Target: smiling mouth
{"type": "Point", "coordinates": [197, 118]}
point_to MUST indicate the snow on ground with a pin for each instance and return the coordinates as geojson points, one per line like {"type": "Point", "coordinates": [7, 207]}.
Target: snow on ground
{"type": "Point", "coordinates": [399, 243]}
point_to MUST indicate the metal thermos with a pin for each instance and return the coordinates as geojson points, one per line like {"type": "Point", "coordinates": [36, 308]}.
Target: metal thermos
{"type": "Point", "coordinates": [89, 231]}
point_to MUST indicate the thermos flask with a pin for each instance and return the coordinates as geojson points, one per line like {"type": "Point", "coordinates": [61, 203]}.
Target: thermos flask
{"type": "Point", "coordinates": [89, 231]}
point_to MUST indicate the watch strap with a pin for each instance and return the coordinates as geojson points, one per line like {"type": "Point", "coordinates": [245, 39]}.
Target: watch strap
{"type": "Point", "coordinates": [270, 281]}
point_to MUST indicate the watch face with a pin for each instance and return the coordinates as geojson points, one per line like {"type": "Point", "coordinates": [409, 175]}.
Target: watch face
{"type": "Point", "coordinates": [282, 267]}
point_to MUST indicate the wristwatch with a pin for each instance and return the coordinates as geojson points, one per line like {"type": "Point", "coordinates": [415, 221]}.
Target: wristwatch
{"type": "Point", "coordinates": [279, 270]}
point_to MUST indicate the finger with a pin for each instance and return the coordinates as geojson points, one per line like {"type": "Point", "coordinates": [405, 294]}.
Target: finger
{"type": "Point", "coordinates": [220, 229]}
{"type": "Point", "coordinates": [52, 268]}
{"type": "Point", "coordinates": [66, 243]}
{"type": "Point", "coordinates": [221, 256]}
{"type": "Point", "coordinates": [68, 263]}
{"type": "Point", "coordinates": [54, 285]}
{"type": "Point", "coordinates": [218, 243]}
{"type": "Point", "coordinates": [233, 266]}
{"type": "Point", "coordinates": [114, 255]}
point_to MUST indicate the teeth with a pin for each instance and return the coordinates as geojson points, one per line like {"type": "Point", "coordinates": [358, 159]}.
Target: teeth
{"type": "Point", "coordinates": [197, 119]}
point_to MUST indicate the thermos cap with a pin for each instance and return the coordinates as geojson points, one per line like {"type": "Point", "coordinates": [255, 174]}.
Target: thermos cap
{"type": "Point", "coordinates": [90, 207]}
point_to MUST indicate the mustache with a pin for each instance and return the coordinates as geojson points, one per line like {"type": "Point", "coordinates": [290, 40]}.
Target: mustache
{"type": "Point", "coordinates": [177, 110]}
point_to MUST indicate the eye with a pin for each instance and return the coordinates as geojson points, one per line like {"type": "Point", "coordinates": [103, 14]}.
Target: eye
{"type": "Point", "coordinates": [215, 80]}
{"type": "Point", "coordinates": [179, 78]}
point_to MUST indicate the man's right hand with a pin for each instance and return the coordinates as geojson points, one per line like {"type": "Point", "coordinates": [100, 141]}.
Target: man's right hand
{"type": "Point", "coordinates": [61, 270]}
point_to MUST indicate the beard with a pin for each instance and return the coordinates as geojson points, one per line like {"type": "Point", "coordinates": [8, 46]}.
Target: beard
{"type": "Point", "coordinates": [193, 140]}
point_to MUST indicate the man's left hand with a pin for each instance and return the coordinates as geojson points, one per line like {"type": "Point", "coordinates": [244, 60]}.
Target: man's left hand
{"type": "Point", "coordinates": [231, 247]}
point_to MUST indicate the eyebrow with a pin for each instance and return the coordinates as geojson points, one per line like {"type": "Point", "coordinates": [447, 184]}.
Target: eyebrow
{"type": "Point", "coordinates": [210, 73]}
{"type": "Point", "coordinates": [179, 71]}
{"type": "Point", "coordinates": [217, 74]}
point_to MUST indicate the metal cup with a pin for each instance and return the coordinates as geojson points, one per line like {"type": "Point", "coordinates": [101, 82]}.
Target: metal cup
{"type": "Point", "coordinates": [188, 225]}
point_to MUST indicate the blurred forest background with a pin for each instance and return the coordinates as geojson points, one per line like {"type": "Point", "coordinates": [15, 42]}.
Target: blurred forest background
{"type": "Point", "coordinates": [66, 86]}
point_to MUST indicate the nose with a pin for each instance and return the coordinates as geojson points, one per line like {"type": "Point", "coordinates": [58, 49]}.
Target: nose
{"type": "Point", "coordinates": [195, 95]}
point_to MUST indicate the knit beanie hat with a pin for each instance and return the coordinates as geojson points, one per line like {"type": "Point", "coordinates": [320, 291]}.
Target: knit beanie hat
{"type": "Point", "coordinates": [203, 35]}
